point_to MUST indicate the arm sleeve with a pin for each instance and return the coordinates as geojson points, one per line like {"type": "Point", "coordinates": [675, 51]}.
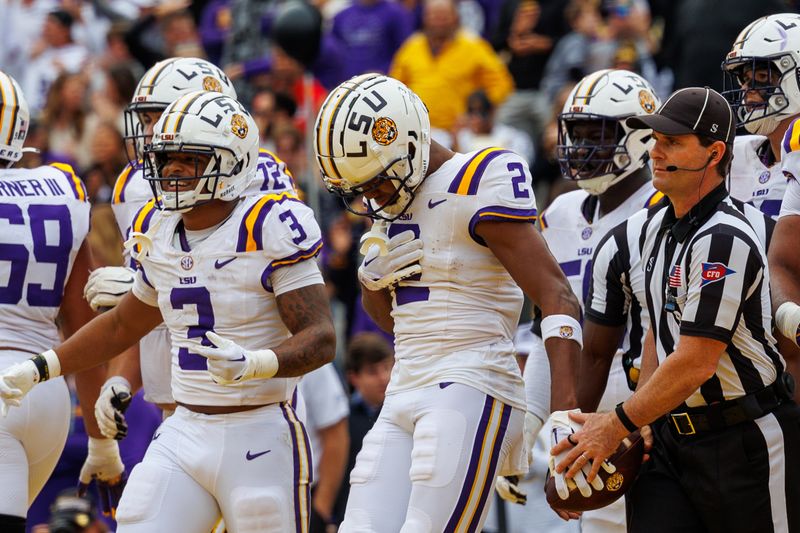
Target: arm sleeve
{"type": "Point", "coordinates": [722, 271]}
{"type": "Point", "coordinates": [608, 301]}
{"type": "Point", "coordinates": [537, 380]}
{"type": "Point", "coordinates": [295, 277]}
{"type": "Point", "coordinates": [502, 183]}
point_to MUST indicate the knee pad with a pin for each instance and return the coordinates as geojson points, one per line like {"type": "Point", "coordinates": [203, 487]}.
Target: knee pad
{"type": "Point", "coordinates": [438, 447]}
{"type": "Point", "coordinates": [356, 521]}
{"type": "Point", "coordinates": [261, 510]}
{"type": "Point", "coordinates": [143, 494]}
{"type": "Point", "coordinates": [367, 460]}
{"type": "Point", "coordinates": [12, 524]}
{"type": "Point", "coordinates": [417, 521]}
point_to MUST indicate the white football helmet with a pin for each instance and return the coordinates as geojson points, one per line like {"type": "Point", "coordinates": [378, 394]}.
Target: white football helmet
{"type": "Point", "coordinates": [204, 123]}
{"type": "Point", "coordinates": [373, 128]}
{"type": "Point", "coordinates": [595, 147]}
{"type": "Point", "coordinates": [771, 43]}
{"type": "Point", "coordinates": [14, 119]}
{"type": "Point", "coordinates": [165, 82]}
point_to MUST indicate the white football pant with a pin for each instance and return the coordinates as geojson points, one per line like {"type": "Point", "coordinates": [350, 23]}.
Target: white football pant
{"type": "Point", "coordinates": [430, 461]}
{"type": "Point", "coordinates": [251, 468]}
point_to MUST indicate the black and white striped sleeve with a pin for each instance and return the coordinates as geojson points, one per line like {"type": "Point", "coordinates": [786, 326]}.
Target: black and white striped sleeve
{"type": "Point", "coordinates": [724, 267]}
{"type": "Point", "coordinates": [608, 300]}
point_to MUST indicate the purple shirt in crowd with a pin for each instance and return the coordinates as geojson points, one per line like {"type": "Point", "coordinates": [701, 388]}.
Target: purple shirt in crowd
{"type": "Point", "coordinates": [370, 34]}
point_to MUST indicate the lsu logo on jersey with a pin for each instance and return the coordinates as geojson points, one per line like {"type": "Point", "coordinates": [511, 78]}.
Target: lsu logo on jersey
{"type": "Point", "coordinates": [714, 272]}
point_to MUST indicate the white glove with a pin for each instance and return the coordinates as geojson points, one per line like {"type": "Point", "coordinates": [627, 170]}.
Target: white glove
{"type": "Point", "coordinates": [104, 465]}
{"type": "Point", "coordinates": [107, 286]}
{"type": "Point", "coordinates": [400, 261]}
{"type": "Point", "coordinates": [230, 363]}
{"type": "Point", "coordinates": [563, 427]}
{"type": "Point", "coordinates": [787, 320]}
{"type": "Point", "coordinates": [507, 487]}
{"type": "Point", "coordinates": [15, 382]}
{"type": "Point", "coordinates": [109, 410]}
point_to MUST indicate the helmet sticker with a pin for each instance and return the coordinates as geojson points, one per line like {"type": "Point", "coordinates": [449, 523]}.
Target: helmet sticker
{"type": "Point", "coordinates": [384, 131]}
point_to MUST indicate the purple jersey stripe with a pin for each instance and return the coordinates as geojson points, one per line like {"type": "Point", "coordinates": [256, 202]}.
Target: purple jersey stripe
{"type": "Point", "coordinates": [146, 221]}
{"type": "Point", "coordinates": [258, 232]}
{"type": "Point", "coordinates": [460, 176]}
{"type": "Point", "coordinates": [488, 483]}
{"type": "Point", "coordinates": [476, 177]}
{"type": "Point", "coordinates": [406, 295]}
{"type": "Point", "coordinates": [184, 242]}
{"type": "Point", "coordinates": [296, 462]}
{"type": "Point", "coordinates": [241, 242]}
{"type": "Point", "coordinates": [472, 470]}
{"type": "Point", "coordinates": [497, 212]}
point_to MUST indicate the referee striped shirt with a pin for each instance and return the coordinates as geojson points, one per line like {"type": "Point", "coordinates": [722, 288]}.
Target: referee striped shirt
{"type": "Point", "coordinates": [617, 292]}
{"type": "Point", "coordinates": [706, 275]}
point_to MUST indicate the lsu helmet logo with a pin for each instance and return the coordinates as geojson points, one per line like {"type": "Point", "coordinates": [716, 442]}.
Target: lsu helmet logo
{"type": "Point", "coordinates": [714, 272]}
{"type": "Point", "coordinates": [647, 101]}
{"type": "Point", "coordinates": [239, 126]}
{"type": "Point", "coordinates": [212, 84]}
{"type": "Point", "coordinates": [384, 131]}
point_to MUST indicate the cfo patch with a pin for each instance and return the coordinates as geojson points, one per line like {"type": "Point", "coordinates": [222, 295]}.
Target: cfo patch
{"type": "Point", "coordinates": [714, 272]}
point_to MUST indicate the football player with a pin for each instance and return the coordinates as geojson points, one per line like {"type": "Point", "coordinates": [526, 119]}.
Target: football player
{"type": "Point", "coordinates": [44, 215]}
{"type": "Point", "coordinates": [234, 280]}
{"type": "Point", "coordinates": [763, 89]}
{"type": "Point", "coordinates": [762, 71]}
{"type": "Point", "coordinates": [609, 162]}
{"type": "Point", "coordinates": [456, 235]}
{"type": "Point", "coordinates": [164, 83]}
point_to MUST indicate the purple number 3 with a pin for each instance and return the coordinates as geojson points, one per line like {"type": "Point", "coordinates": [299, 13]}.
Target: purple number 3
{"type": "Point", "coordinates": [518, 180]}
{"type": "Point", "coordinates": [294, 225]}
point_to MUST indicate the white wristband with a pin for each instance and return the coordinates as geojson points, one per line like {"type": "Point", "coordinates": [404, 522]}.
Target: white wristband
{"type": "Point", "coordinates": [53, 364]}
{"type": "Point", "coordinates": [562, 327]}
{"type": "Point", "coordinates": [264, 364]}
{"type": "Point", "coordinates": [787, 319]}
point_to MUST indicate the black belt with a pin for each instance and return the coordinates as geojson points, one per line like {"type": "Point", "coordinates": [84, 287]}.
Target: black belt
{"type": "Point", "coordinates": [718, 416]}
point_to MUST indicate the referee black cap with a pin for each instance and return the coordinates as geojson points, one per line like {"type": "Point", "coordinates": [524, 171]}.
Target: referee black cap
{"type": "Point", "coordinates": [698, 110]}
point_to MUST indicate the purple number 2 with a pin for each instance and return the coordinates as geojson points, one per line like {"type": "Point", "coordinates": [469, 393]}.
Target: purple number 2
{"type": "Point", "coordinates": [43, 252]}
{"type": "Point", "coordinates": [518, 180]}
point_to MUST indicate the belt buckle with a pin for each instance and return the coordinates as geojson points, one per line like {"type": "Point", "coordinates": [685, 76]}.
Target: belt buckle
{"type": "Point", "coordinates": [681, 427]}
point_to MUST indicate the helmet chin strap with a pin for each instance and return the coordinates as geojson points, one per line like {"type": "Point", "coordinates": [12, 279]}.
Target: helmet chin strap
{"type": "Point", "coordinates": [764, 125]}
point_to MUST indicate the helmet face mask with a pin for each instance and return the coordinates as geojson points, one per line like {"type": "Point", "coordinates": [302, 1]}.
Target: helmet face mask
{"type": "Point", "coordinates": [165, 82]}
{"type": "Point", "coordinates": [589, 146]}
{"type": "Point", "coordinates": [370, 130]}
{"type": "Point", "coordinates": [595, 148]}
{"type": "Point", "coordinates": [761, 73]}
{"type": "Point", "coordinates": [202, 126]}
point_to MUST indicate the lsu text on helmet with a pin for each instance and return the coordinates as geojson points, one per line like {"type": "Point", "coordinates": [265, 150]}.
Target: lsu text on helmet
{"type": "Point", "coordinates": [595, 147]}
{"type": "Point", "coordinates": [165, 82]}
{"type": "Point", "coordinates": [14, 120]}
{"type": "Point", "coordinates": [762, 71]}
{"type": "Point", "coordinates": [209, 124]}
{"type": "Point", "coordinates": [370, 129]}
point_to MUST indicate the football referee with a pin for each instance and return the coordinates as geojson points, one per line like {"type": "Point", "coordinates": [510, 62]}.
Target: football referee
{"type": "Point", "coordinates": [726, 433]}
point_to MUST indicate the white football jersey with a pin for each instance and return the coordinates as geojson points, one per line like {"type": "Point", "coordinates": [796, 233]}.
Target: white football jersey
{"type": "Point", "coordinates": [455, 322]}
{"type": "Point", "coordinates": [131, 192]}
{"type": "Point", "coordinates": [224, 285]}
{"type": "Point", "coordinates": [753, 178]}
{"type": "Point", "coordinates": [44, 219]}
{"type": "Point", "coordinates": [572, 227]}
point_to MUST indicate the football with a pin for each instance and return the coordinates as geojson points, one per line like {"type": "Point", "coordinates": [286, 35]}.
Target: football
{"type": "Point", "coordinates": [627, 459]}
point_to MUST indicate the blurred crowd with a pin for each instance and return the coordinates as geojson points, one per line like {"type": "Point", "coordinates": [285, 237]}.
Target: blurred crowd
{"type": "Point", "coordinates": [492, 72]}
